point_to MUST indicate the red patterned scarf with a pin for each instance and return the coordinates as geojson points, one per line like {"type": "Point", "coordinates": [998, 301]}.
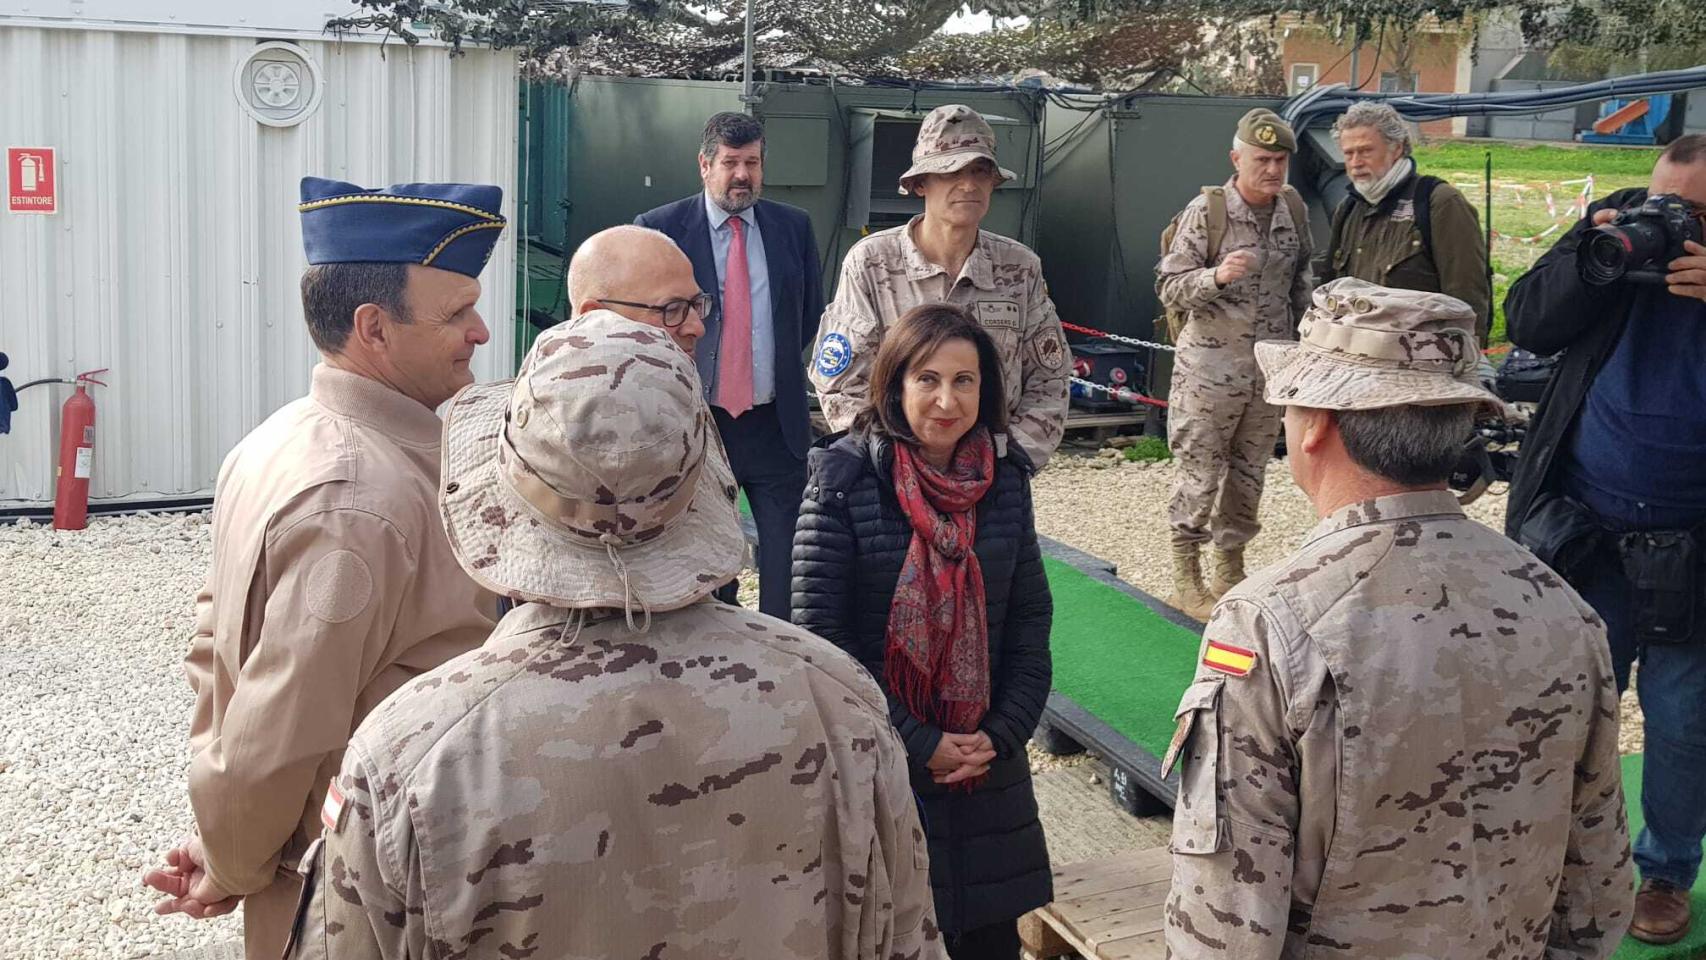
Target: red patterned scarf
{"type": "Point", "coordinates": [937, 656]}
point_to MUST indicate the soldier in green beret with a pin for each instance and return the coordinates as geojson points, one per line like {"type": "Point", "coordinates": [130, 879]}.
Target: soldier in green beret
{"type": "Point", "coordinates": [1236, 270]}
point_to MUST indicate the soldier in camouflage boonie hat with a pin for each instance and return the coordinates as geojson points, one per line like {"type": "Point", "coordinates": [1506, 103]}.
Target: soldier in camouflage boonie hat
{"type": "Point", "coordinates": [593, 480]}
{"type": "Point", "coordinates": [952, 137]}
{"type": "Point", "coordinates": [1362, 346]}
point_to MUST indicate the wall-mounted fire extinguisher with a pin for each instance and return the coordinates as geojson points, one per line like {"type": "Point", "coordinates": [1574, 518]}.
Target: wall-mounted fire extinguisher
{"type": "Point", "coordinates": [76, 455]}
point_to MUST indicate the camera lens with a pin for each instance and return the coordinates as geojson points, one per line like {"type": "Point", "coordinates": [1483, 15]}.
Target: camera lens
{"type": "Point", "coordinates": [1604, 255]}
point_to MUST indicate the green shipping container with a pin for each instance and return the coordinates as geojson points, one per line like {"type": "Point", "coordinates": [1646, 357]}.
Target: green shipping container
{"type": "Point", "coordinates": [599, 151]}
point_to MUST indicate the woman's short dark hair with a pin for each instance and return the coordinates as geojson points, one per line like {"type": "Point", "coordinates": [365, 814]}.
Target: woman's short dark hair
{"type": "Point", "coordinates": [915, 336]}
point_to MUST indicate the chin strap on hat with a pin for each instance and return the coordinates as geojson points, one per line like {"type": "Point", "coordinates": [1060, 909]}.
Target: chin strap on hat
{"type": "Point", "coordinates": [611, 541]}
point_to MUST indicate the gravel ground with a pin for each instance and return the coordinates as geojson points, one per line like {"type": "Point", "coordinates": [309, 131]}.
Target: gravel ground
{"type": "Point", "coordinates": [94, 626]}
{"type": "Point", "coordinates": [1119, 513]}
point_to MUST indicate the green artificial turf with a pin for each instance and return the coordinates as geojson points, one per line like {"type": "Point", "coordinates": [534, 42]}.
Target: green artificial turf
{"type": "Point", "coordinates": [1693, 945]}
{"type": "Point", "coordinates": [1117, 658]}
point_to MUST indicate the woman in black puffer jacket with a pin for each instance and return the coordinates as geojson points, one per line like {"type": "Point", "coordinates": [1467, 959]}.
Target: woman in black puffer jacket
{"type": "Point", "coordinates": [882, 571]}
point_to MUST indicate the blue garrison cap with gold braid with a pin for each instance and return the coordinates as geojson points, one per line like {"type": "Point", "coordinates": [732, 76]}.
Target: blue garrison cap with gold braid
{"type": "Point", "coordinates": [451, 226]}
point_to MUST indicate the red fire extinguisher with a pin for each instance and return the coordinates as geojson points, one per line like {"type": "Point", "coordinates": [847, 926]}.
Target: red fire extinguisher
{"type": "Point", "coordinates": [76, 455]}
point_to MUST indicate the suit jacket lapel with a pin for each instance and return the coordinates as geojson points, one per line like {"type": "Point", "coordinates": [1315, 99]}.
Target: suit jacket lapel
{"type": "Point", "coordinates": [771, 229]}
{"type": "Point", "coordinates": [696, 236]}
{"type": "Point", "coordinates": [696, 243]}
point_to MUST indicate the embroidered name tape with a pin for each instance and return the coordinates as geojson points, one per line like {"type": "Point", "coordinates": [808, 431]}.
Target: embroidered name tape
{"type": "Point", "coordinates": [999, 314]}
{"type": "Point", "coordinates": [1228, 659]}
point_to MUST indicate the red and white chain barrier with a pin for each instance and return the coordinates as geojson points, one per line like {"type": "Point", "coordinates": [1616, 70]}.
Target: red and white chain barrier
{"type": "Point", "coordinates": [1123, 393]}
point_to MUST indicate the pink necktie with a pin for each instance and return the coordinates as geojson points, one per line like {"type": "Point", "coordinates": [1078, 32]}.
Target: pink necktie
{"type": "Point", "coordinates": [734, 361]}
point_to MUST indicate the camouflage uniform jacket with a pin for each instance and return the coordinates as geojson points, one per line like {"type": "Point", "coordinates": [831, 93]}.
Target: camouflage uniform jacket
{"type": "Point", "coordinates": [722, 785]}
{"type": "Point", "coordinates": [1401, 742]}
{"type": "Point", "coordinates": [1218, 342]}
{"type": "Point", "coordinates": [1001, 284]}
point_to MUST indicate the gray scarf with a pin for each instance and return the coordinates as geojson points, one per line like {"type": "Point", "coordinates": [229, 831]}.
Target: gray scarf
{"type": "Point", "coordinates": [1377, 191]}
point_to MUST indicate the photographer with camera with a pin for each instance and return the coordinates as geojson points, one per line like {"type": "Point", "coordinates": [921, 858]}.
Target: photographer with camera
{"type": "Point", "coordinates": [1610, 489]}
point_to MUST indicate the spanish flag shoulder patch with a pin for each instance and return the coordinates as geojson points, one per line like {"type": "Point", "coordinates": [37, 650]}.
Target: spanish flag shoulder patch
{"type": "Point", "coordinates": [1228, 659]}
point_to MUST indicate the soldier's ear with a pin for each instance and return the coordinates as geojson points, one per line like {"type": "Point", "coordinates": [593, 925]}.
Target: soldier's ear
{"type": "Point", "coordinates": [368, 327]}
{"type": "Point", "coordinates": [1319, 426]}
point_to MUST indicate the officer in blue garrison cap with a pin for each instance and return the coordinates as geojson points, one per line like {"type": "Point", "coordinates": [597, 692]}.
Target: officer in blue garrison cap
{"type": "Point", "coordinates": [332, 581]}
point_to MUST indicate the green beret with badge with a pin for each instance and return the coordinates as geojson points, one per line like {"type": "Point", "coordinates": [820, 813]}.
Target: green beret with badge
{"type": "Point", "coordinates": [1263, 128]}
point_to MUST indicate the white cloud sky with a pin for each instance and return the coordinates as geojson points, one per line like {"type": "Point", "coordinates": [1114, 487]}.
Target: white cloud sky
{"type": "Point", "coordinates": [964, 22]}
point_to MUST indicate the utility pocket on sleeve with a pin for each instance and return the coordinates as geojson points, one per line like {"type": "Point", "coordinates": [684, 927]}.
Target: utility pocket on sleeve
{"type": "Point", "coordinates": [308, 928]}
{"type": "Point", "coordinates": [1196, 742]}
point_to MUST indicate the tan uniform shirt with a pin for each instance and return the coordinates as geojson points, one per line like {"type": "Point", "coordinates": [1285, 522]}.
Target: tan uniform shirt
{"type": "Point", "coordinates": [1420, 761]}
{"type": "Point", "coordinates": [1001, 284]}
{"type": "Point", "coordinates": [724, 785]}
{"type": "Point", "coordinates": [1217, 348]}
{"type": "Point", "coordinates": [332, 584]}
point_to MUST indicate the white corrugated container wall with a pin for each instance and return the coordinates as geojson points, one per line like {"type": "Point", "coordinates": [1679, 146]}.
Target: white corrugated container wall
{"type": "Point", "coordinates": [175, 256]}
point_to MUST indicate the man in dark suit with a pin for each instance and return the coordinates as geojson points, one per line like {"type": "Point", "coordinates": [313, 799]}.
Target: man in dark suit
{"type": "Point", "coordinates": [761, 259]}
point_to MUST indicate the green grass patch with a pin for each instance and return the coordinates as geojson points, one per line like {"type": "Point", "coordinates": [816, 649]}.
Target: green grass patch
{"type": "Point", "coordinates": [1523, 176]}
{"type": "Point", "coordinates": [1553, 160]}
{"type": "Point", "coordinates": [1148, 450]}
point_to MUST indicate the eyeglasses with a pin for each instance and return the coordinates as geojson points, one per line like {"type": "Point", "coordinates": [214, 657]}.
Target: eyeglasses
{"type": "Point", "coordinates": [674, 311]}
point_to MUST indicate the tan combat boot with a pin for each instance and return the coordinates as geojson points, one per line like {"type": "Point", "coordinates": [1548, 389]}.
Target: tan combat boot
{"type": "Point", "coordinates": [1188, 596]}
{"type": "Point", "coordinates": [1228, 571]}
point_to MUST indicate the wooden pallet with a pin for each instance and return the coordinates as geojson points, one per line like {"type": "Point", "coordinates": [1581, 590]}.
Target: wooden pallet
{"type": "Point", "coordinates": [1109, 909]}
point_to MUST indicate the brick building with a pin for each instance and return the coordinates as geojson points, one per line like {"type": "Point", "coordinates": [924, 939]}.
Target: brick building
{"type": "Point", "coordinates": [1440, 62]}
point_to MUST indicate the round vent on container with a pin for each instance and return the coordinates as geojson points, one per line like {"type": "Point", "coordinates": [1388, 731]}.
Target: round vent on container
{"type": "Point", "coordinates": [278, 84]}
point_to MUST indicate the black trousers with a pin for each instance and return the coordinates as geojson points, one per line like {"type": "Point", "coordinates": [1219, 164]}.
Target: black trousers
{"type": "Point", "coordinates": [998, 941]}
{"type": "Point", "coordinates": [774, 481]}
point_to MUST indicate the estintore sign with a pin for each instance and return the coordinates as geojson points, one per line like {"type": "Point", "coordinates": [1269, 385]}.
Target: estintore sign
{"type": "Point", "coordinates": [32, 182]}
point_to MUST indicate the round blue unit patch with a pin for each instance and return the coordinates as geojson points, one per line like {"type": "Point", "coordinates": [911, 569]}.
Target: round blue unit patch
{"type": "Point", "coordinates": [834, 353]}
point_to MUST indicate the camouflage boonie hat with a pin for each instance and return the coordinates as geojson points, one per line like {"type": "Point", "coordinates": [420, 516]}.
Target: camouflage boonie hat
{"type": "Point", "coordinates": [595, 479]}
{"type": "Point", "coordinates": [1363, 346]}
{"type": "Point", "coordinates": [1263, 128]}
{"type": "Point", "coordinates": [952, 137]}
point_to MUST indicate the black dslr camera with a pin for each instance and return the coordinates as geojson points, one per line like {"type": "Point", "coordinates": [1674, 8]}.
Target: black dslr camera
{"type": "Point", "coordinates": [1639, 243]}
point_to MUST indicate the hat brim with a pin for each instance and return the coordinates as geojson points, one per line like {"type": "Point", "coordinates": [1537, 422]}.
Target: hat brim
{"type": "Point", "coordinates": [1299, 376]}
{"type": "Point", "coordinates": [951, 162]}
{"type": "Point", "coordinates": [506, 546]}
